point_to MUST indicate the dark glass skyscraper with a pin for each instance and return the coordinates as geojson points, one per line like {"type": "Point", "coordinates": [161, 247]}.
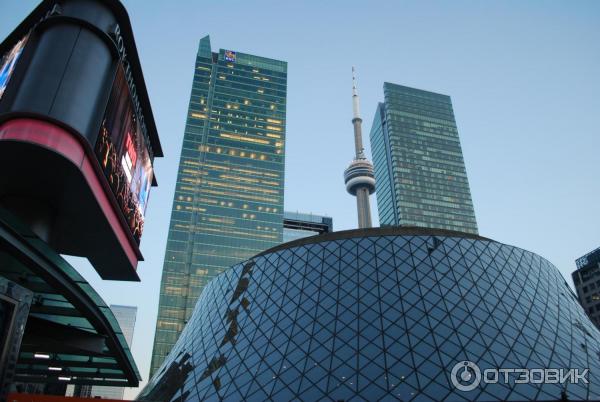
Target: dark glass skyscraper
{"type": "Point", "coordinates": [228, 202]}
{"type": "Point", "coordinates": [587, 283]}
{"type": "Point", "coordinates": [419, 167]}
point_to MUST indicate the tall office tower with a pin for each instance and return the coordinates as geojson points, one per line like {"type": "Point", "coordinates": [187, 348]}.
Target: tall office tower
{"type": "Point", "coordinates": [228, 202]}
{"type": "Point", "coordinates": [126, 317]}
{"type": "Point", "coordinates": [359, 177]}
{"type": "Point", "coordinates": [587, 283]}
{"type": "Point", "coordinates": [419, 167]}
{"type": "Point", "coordinates": [297, 225]}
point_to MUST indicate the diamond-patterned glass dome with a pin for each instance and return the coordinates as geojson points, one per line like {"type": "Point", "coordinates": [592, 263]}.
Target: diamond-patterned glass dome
{"type": "Point", "coordinates": [381, 314]}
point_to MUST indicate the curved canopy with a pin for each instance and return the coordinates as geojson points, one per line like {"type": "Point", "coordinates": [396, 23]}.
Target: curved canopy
{"type": "Point", "coordinates": [71, 334]}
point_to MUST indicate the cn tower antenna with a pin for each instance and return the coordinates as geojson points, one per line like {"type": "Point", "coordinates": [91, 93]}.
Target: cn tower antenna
{"type": "Point", "coordinates": [359, 176]}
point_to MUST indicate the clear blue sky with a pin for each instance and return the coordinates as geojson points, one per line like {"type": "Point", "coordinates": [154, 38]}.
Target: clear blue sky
{"type": "Point", "coordinates": [524, 78]}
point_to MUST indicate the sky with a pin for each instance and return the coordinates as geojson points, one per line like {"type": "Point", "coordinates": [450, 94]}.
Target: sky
{"type": "Point", "coordinates": [523, 76]}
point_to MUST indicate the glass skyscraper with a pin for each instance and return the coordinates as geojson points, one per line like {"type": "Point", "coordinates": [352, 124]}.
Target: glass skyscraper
{"type": "Point", "coordinates": [297, 225]}
{"type": "Point", "coordinates": [419, 167]}
{"type": "Point", "coordinates": [126, 316]}
{"type": "Point", "coordinates": [587, 283]}
{"type": "Point", "coordinates": [228, 202]}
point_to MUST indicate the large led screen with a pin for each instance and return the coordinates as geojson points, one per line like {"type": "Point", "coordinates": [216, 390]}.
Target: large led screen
{"type": "Point", "coordinates": [123, 154]}
{"type": "Point", "coordinates": [8, 63]}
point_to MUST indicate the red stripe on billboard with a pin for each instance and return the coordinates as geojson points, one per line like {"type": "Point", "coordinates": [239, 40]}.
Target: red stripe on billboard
{"type": "Point", "coordinates": [66, 144]}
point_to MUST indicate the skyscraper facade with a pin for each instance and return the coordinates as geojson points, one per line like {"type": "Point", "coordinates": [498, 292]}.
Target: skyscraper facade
{"type": "Point", "coordinates": [587, 283]}
{"type": "Point", "coordinates": [228, 202]}
{"type": "Point", "coordinates": [126, 317]}
{"type": "Point", "coordinates": [419, 166]}
{"type": "Point", "coordinates": [297, 225]}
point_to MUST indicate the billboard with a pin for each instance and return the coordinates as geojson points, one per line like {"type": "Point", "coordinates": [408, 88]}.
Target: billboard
{"type": "Point", "coordinates": [8, 63]}
{"type": "Point", "coordinates": [230, 55]}
{"type": "Point", "coordinates": [123, 154]}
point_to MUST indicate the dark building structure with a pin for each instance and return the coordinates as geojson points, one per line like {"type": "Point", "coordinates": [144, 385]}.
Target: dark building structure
{"type": "Point", "coordinates": [419, 166]}
{"type": "Point", "coordinates": [395, 313]}
{"type": "Point", "coordinates": [228, 202]}
{"type": "Point", "coordinates": [77, 145]}
{"type": "Point", "coordinates": [15, 302]}
{"type": "Point", "coordinates": [587, 283]}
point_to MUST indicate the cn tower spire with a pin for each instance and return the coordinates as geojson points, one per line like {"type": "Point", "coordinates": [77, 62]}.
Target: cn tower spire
{"type": "Point", "coordinates": [356, 117]}
{"type": "Point", "coordinates": [359, 176]}
{"type": "Point", "coordinates": [355, 102]}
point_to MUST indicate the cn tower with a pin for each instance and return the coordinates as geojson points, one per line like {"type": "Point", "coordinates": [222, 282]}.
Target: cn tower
{"type": "Point", "coordinates": [359, 176]}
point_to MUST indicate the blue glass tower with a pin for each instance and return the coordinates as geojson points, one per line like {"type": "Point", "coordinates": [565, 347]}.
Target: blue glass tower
{"type": "Point", "coordinates": [228, 202]}
{"type": "Point", "coordinates": [419, 166]}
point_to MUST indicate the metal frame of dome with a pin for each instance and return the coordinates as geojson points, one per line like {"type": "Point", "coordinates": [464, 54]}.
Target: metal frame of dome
{"type": "Point", "coordinates": [378, 314]}
{"type": "Point", "coordinates": [380, 231]}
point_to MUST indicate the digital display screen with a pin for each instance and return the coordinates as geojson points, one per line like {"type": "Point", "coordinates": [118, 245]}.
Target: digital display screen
{"type": "Point", "coordinates": [229, 55]}
{"type": "Point", "coordinates": [122, 151]}
{"type": "Point", "coordinates": [8, 63]}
